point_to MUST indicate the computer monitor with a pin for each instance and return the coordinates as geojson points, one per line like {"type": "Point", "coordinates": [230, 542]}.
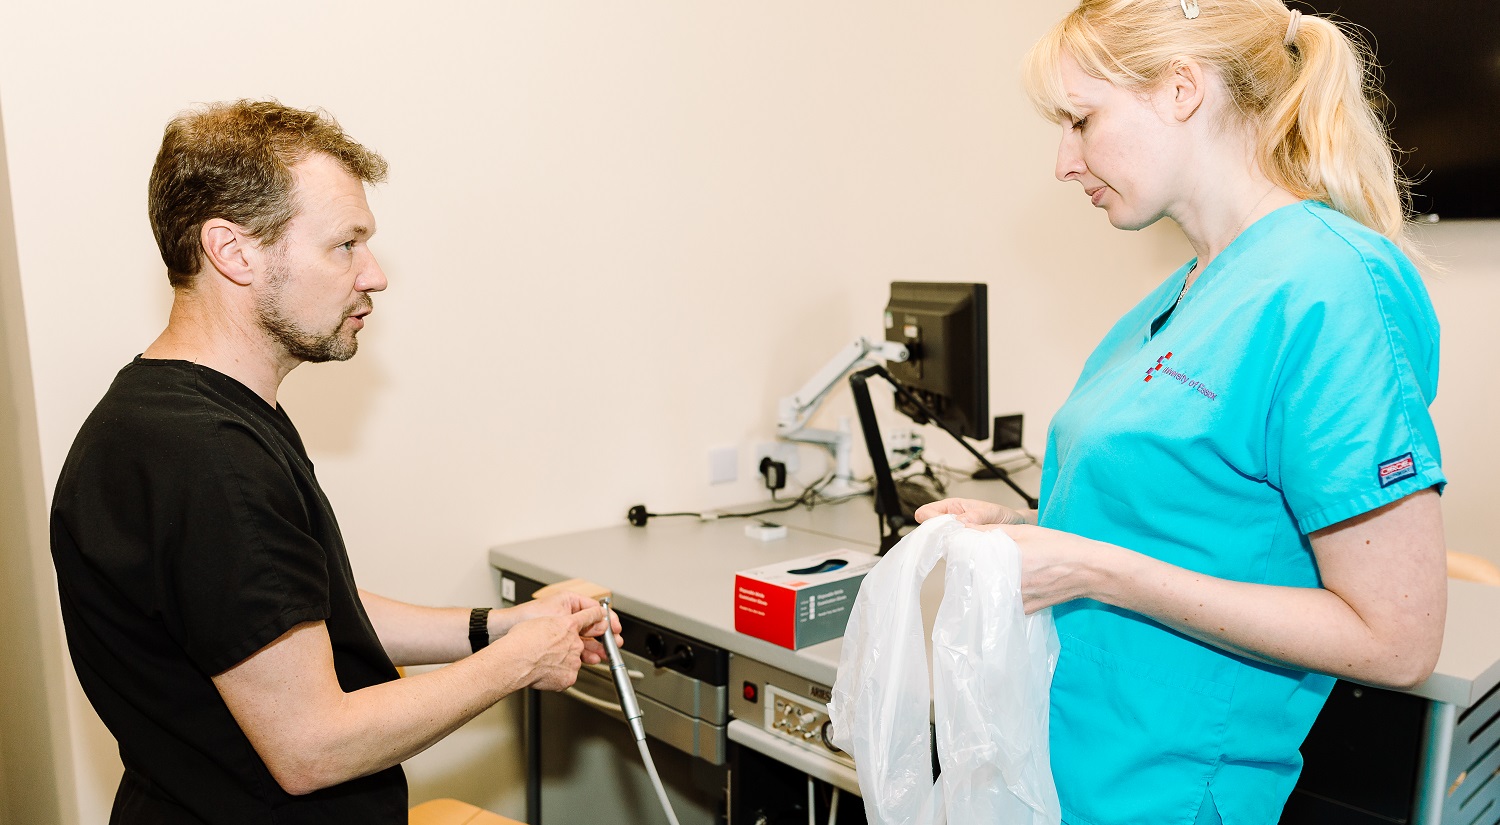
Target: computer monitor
{"type": "Point", "coordinates": [944, 327]}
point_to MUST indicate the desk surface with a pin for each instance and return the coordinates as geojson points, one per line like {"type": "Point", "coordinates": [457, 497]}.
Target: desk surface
{"type": "Point", "coordinates": [679, 573]}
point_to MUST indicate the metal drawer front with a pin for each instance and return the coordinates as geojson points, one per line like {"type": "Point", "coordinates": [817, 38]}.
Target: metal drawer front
{"type": "Point", "coordinates": [688, 734]}
{"type": "Point", "coordinates": [684, 693]}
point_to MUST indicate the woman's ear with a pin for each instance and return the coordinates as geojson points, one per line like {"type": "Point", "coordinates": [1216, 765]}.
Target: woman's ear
{"type": "Point", "coordinates": [1187, 83]}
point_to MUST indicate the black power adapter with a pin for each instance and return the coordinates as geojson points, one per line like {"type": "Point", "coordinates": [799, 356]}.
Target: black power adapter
{"type": "Point", "coordinates": [773, 473]}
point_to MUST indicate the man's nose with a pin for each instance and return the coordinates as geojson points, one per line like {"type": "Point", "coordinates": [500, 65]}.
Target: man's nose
{"type": "Point", "coordinates": [372, 277]}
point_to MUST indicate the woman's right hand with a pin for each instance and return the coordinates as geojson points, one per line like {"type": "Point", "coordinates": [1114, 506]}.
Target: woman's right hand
{"type": "Point", "coordinates": [974, 512]}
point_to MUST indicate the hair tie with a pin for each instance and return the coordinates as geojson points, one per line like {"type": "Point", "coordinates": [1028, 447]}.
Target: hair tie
{"type": "Point", "coordinates": [1190, 9]}
{"type": "Point", "coordinates": [1291, 28]}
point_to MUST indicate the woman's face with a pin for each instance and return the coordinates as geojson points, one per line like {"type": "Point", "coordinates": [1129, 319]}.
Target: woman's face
{"type": "Point", "coordinates": [1121, 148]}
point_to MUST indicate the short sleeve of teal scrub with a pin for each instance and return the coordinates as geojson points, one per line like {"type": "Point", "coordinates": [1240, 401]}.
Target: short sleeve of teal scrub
{"type": "Point", "coordinates": [1287, 392]}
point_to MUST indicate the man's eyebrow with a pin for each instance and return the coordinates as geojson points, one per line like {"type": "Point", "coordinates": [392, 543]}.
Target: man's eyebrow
{"type": "Point", "coordinates": [359, 229]}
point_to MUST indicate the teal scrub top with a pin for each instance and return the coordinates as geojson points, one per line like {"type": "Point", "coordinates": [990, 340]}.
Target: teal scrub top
{"type": "Point", "coordinates": [1288, 391]}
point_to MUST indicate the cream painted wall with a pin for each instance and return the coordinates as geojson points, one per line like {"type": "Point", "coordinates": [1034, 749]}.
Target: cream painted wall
{"type": "Point", "coordinates": [616, 235]}
{"type": "Point", "coordinates": [1467, 298]}
{"type": "Point", "coordinates": [35, 778]}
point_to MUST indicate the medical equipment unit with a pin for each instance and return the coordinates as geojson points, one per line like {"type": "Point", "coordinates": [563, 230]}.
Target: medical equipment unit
{"type": "Point", "coordinates": [584, 738]}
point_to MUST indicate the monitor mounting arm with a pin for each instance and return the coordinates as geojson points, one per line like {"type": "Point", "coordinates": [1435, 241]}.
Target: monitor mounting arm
{"type": "Point", "coordinates": [887, 503]}
{"type": "Point", "coordinates": [794, 411]}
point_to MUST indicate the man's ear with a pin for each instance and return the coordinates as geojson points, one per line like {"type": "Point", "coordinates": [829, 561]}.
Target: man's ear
{"type": "Point", "coordinates": [1188, 83]}
{"type": "Point", "coordinates": [229, 250]}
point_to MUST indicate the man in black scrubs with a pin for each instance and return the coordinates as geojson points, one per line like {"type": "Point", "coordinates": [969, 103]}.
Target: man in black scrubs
{"type": "Point", "coordinates": [210, 608]}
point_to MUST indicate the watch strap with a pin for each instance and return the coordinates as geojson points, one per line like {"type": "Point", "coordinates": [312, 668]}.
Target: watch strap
{"type": "Point", "coordinates": [479, 628]}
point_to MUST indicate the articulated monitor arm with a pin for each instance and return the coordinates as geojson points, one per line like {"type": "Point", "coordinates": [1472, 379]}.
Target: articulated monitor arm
{"type": "Point", "coordinates": [794, 411]}
{"type": "Point", "coordinates": [868, 421]}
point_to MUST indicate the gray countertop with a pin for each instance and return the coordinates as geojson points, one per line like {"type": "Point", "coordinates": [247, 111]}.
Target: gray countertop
{"type": "Point", "coordinates": [679, 573]}
{"type": "Point", "coordinates": [1469, 666]}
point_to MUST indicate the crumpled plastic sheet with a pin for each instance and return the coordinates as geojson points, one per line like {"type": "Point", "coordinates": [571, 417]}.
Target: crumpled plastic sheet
{"type": "Point", "coordinates": [992, 670]}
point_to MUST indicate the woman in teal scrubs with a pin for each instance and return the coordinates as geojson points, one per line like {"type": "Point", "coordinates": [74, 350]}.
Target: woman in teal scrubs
{"type": "Point", "coordinates": [1240, 497]}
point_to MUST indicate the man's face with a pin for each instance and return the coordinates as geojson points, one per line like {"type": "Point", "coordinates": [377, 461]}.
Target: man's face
{"type": "Point", "coordinates": [321, 272]}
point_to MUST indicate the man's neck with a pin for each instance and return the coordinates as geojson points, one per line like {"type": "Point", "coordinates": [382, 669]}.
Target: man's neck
{"type": "Point", "coordinates": [223, 342]}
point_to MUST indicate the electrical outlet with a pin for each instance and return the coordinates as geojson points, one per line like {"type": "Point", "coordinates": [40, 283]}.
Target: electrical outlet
{"type": "Point", "coordinates": [723, 465]}
{"type": "Point", "coordinates": [783, 451]}
{"type": "Point", "coordinates": [904, 442]}
{"type": "Point", "coordinates": [1007, 433]}
{"type": "Point", "coordinates": [900, 441]}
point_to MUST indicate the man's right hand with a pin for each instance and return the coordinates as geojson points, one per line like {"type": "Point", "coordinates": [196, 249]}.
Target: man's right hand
{"type": "Point", "coordinates": [974, 512]}
{"type": "Point", "coordinates": [554, 644]}
{"type": "Point", "coordinates": [312, 733]}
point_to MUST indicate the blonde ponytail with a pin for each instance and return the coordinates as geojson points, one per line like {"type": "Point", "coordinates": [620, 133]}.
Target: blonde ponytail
{"type": "Point", "coordinates": [1322, 138]}
{"type": "Point", "coordinates": [1311, 102]}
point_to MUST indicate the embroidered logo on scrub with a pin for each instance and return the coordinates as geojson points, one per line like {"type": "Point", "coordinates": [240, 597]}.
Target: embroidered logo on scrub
{"type": "Point", "coordinates": [1158, 366]}
{"type": "Point", "coordinates": [1161, 369]}
{"type": "Point", "coordinates": [1396, 469]}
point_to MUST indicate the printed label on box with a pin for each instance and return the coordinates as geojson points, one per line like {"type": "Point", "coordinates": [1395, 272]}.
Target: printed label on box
{"type": "Point", "coordinates": [800, 602]}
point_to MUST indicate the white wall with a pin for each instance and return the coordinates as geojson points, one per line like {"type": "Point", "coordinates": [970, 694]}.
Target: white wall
{"type": "Point", "coordinates": [616, 234]}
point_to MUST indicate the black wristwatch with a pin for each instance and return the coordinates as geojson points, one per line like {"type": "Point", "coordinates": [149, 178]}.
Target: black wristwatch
{"type": "Point", "coordinates": [479, 628]}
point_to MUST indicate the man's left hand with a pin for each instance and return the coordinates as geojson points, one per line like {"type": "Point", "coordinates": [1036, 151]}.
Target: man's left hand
{"type": "Point", "coordinates": [557, 604]}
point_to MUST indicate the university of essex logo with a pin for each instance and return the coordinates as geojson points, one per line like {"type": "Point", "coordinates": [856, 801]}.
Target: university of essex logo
{"type": "Point", "coordinates": [1161, 368]}
{"type": "Point", "coordinates": [1159, 363]}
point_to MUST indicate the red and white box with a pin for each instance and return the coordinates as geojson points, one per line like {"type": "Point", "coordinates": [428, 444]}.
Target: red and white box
{"type": "Point", "coordinates": [800, 602]}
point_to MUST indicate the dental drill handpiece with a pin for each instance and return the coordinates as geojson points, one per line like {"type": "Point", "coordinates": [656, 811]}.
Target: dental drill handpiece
{"type": "Point", "coordinates": [632, 711]}
{"type": "Point", "coordinates": [621, 674]}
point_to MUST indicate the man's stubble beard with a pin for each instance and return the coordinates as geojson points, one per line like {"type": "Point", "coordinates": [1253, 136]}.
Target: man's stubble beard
{"type": "Point", "coordinates": [300, 343]}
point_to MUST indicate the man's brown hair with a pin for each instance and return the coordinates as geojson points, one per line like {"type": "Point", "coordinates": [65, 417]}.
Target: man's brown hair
{"type": "Point", "coordinates": [233, 161]}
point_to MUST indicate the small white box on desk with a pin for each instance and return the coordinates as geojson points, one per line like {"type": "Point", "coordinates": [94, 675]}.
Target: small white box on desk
{"type": "Point", "coordinates": [800, 602]}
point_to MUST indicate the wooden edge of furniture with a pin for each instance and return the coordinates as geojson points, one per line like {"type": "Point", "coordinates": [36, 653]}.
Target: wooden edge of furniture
{"type": "Point", "coordinates": [1472, 568]}
{"type": "Point", "coordinates": [582, 587]}
{"type": "Point", "coordinates": [453, 812]}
